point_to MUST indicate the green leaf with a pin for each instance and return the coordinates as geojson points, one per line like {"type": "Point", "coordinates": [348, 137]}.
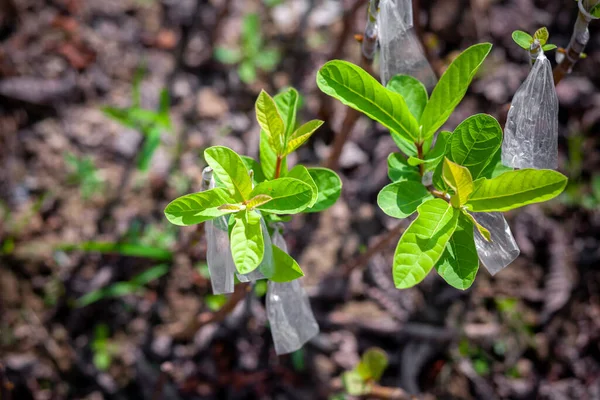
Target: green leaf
{"type": "Point", "coordinates": [301, 173]}
{"type": "Point", "coordinates": [151, 143]}
{"type": "Point", "coordinates": [474, 141]}
{"type": "Point", "coordinates": [595, 11]}
{"type": "Point", "coordinates": [270, 122]}
{"type": "Point", "coordinates": [459, 262]}
{"type": "Point", "coordinates": [290, 196]}
{"type": "Point", "coordinates": [423, 243]}
{"type": "Point", "coordinates": [329, 187]}
{"type": "Point", "coordinates": [414, 161]}
{"type": "Point", "coordinates": [228, 56]}
{"type": "Point", "coordinates": [247, 243]}
{"type": "Point", "coordinates": [230, 170]}
{"type": "Point", "coordinates": [198, 207]}
{"type": "Point", "coordinates": [301, 135]}
{"type": "Point", "coordinates": [287, 103]}
{"type": "Point", "coordinates": [372, 364]}
{"type": "Point", "coordinates": [451, 88]}
{"type": "Point", "coordinates": [413, 92]}
{"type": "Point", "coordinates": [268, 59]}
{"type": "Point", "coordinates": [123, 249]}
{"type": "Point", "coordinates": [433, 157]}
{"type": "Point", "coordinates": [515, 189]}
{"type": "Point", "coordinates": [252, 165]}
{"type": "Point", "coordinates": [286, 269]}
{"type": "Point", "coordinates": [495, 166]}
{"type": "Point", "coordinates": [247, 72]}
{"type": "Point", "coordinates": [354, 384]}
{"type": "Point", "coordinates": [401, 199]}
{"type": "Point", "coordinates": [548, 47]}
{"type": "Point", "coordinates": [150, 275]}
{"type": "Point", "coordinates": [460, 180]}
{"type": "Point", "coordinates": [357, 89]}
{"type": "Point", "coordinates": [258, 201]}
{"type": "Point", "coordinates": [268, 158]}
{"type": "Point", "coordinates": [523, 39]}
{"type": "Point", "coordinates": [542, 35]}
{"type": "Point", "coordinates": [251, 34]}
{"type": "Point", "coordinates": [399, 170]}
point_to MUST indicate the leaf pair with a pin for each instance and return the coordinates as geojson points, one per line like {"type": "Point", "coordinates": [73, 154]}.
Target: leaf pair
{"type": "Point", "coordinates": [525, 40]}
{"type": "Point", "coordinates": [281, 136]}
{"type": "Point", "coordinates": [358, 381]}
{"type": "Point", "coordinates": [389, 106]}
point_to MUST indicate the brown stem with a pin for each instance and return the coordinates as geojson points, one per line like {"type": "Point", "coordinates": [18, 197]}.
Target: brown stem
{"type": "Point", "coordinates": [278, 167]}
{"type": "Point", "coordinates": [579, 40]}
{"type": "Point", "coordinates": [420, 156]}
{"type": "Point", "coordinates": [203, 319]}
{"type": "Point", "coordinates": [326, 109]}
{"type": "Point", "coordinates": [371, 251]}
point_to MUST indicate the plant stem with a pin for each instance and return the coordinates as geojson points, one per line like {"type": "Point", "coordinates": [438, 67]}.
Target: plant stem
{"type": "Point", "coordinates": [278, 167]}
{"type": "Point", "coordinates": [371, 251]}
{"type": "Point", "coordinates": [192, 326]}
{"type": "Point", "coordinates": [420, 156]}
{"type": "Point", "coordinates": [579, 40]}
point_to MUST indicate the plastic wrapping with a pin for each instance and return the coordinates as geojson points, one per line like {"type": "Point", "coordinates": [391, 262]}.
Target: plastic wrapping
{"type": "Point", "coordinates": [502, 249]}
{"type": "Point", "coordinates": [401, 51]}
{"type": "Point", "coordinates": [289, 312]}
{"type": "Point", "coordinates": [531, 132]}
{"type": "Point", "coordinates": [218, 255]}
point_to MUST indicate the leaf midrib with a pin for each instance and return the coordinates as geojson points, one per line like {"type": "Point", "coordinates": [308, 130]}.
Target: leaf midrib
{"type": "Point", "coordinates": [373, 103]}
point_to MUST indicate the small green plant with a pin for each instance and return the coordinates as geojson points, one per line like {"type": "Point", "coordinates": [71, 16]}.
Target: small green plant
{"type": "Point", "coordinates": [151, 124]}
{"type": "Point", "coordinates": [360, 380]}
{"type": "Point", "coordinates": [135, 285]}
{"type": "Point", "coordinates": [102, 347]}
{"type": "Point", "coordinates": [248, 191]}
{"type": "Point", "coordinates": [464, 166]}
{"type": "Point", "coordinates": [526, 41]}
{"type": "Point", "coordinates": [85, 174]}
{"type": "Point", "coordinates": [253, 55]}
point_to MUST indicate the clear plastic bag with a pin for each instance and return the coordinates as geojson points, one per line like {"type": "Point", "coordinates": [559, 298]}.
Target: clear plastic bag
{"type": "Point", "coordinates": [218, 250]}
{"type": "Point", "coordinates": [502, 249]}
{"type": "Point", "coordinates": [289, 312]}
{"type": "Point", "coordinates": [531, 131]}
{"type": "Point", "coordinates": [401, 51]}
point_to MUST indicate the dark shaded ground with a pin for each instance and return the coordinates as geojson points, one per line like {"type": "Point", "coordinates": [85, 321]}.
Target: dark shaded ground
{"type": "Point", "coordinates": [530, 332]}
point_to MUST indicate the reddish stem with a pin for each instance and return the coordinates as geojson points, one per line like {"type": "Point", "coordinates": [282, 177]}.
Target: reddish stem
{"type": "Point", "coordinates": [278, 167]}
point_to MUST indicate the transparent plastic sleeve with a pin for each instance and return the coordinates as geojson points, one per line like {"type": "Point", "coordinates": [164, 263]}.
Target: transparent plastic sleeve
{"type": "Point", "coordinates": [502, 249]}
{"type": "Point", "coordinates": [531, 131]}
{"type": "Point", "coordinates": [289, 312]}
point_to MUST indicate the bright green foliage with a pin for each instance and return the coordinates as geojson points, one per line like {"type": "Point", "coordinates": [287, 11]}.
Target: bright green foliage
{"type": "Point", "coordinates": [247, 242]}
{"type": "Point", "coordinates": [84, 174]}
{"type": "Point", "coordinates": [151, 124]}
{"type": "Point", "coordinates": [459, 262]}
{"type": "Point", "coordinates": [253, 55]}
{"type": "Point", "coordinates": [516, 189]}
{"type": "Point", "coordinates": [330, 188]}
{"type": "Point", "coordinates": [412, 91]}
{"type": "Point", "coordinates": [451, 88]}
{"type": "Point", "coordinates": [467, 172]}
{"type": "Point", "coordinates": [525, 40]}
{"type": "Point", "coordinates": [359, 381]}
{"type": "Point", "coordinates": [354, 87]}
{"type": "Point", "coordinates": [401, 199]}
{"type": "Point", "coordinates": [423, 242]}
{"type": "Point", "coordinates": [252, 195]}
{"type": "Point", "coordinates": [459, 179]}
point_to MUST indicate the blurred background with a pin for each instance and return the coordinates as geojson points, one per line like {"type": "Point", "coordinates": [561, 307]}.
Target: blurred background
{"type": "Point", "coordinates": [106, 107]}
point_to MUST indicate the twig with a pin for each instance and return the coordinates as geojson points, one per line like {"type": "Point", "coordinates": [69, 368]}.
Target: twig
{"type": "Point", "coordinates": [376, 391]}
{"type": "Point", "coordinates": [348, 18]}
{"type": "Point", "coordinates": [371, 251]}
{"type": "Point", "coordinates": [579, 39]}
{"type": "Point", "coordinates": [368, 47]}
{"type": "Point", "coordinates": [203, 319]}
